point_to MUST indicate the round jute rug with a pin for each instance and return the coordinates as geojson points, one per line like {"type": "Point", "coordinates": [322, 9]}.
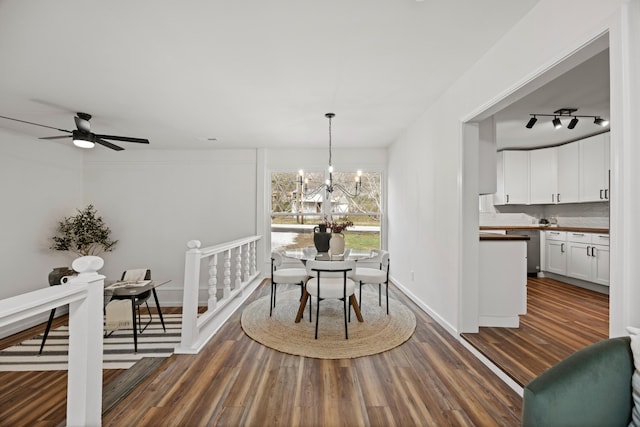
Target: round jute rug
{"type": "Point", "coordinates": [376, 334]}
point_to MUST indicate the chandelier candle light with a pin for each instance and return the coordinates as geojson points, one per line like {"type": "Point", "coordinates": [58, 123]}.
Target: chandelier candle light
{"type": "Point", "coordinates": [329, 185]}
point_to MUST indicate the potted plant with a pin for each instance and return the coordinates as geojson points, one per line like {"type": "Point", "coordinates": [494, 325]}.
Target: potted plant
{"type": "Point", "coordinates": [83, 234]}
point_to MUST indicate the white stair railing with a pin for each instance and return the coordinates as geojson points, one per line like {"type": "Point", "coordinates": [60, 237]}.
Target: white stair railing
{"type": "Point", "coordinates": [85, 295]}
{"type": "Point", "coordinates": [239, 278]}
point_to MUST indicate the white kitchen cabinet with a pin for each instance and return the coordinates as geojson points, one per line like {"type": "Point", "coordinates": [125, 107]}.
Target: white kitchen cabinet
{"type": "Point", "coordinates": [588, 257]}
{"type": "Point", "coordinates": [594, 168]}
{"type": "Point", "coordinates": [556, 252]}
{"type": "Point", "coordinates": [579, 260]}
{"type": "Point", "coordinates": [600, 265]}
{"type": "Point", "coordinates": [513, 178]}
{"type": "Point", "coordinates": [543, 175]}
{"type": "Point", "coordinates": [568, 173]}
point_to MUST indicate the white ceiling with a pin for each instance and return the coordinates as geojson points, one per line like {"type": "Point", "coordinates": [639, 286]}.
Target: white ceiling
{"type": "Point", "coordinates": [250, 73]}
{"type": "Point", "coordinates": [585, 87]}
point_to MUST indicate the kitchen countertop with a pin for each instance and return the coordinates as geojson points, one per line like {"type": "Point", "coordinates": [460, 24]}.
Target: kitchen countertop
{"type": "Point", "coordinates": [545, 227]}
{"type": "Point", "coordinates": [496, 236]}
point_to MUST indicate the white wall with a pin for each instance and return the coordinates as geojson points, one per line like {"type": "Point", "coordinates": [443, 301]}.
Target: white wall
{"type": "Point", "coordinates": [426, 209]}
{"type": "Point", "coordinates": [156, 200]}
{"type": "Point", "coordinates": [40, 182]}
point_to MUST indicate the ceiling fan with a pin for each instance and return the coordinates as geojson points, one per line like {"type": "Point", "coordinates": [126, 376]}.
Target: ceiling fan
{"type": "Point", "coordinates": [82, 136]}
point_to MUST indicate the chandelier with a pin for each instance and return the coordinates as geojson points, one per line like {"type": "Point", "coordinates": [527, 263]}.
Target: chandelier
{"type": "Point", "coordinates": [329, 186]}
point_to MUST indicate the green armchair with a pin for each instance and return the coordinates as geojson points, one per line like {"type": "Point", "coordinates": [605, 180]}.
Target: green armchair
{"type": "Point", "coordinates": [592, 387]}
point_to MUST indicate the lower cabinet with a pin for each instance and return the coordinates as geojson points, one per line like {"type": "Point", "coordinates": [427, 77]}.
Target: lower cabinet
{"type": "Point", "coordinates": [556, 252]}
{"type": "Point", "coordinates": [556, 257]}
{"type": "Point", "coordinates": [582, 256]}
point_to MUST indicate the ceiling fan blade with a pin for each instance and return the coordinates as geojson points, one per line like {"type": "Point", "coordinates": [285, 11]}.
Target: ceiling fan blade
{"type": "Point", "coordinates": [124, 138]}
{"type": "Point", "coordinates": [35, 124]}
{"type": "Point", "coordinates": [107, 144]}
{"type": "Point", "coordinates": [56, 137]}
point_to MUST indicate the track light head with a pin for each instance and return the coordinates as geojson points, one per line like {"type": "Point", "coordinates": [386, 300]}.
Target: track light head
{"type": "Point", "coordinates": [532, 121]}
{"type": "Point", "coordinates": [600, 121]}
{"type": "Point", "coordinates": [572, 123]}
{"type": "Point", "coordinates": [557, 123]}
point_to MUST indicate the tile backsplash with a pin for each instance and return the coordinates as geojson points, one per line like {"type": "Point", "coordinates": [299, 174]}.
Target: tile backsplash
{"type": "Point", "coordinates": [570, 215]}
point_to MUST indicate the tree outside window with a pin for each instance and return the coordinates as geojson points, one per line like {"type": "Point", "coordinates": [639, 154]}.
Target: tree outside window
{"type": "Point", "coordinates": [294, 213]}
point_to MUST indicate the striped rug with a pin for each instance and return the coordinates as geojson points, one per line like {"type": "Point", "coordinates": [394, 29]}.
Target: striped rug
{"type": "Point", "coordinates": [118, 347]}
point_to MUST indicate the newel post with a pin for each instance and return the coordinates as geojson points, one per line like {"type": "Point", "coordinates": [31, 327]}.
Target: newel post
{"type": "Point", "coordinates": [84, 394]}
{"type": "Point", "coordinates": [190, 294]}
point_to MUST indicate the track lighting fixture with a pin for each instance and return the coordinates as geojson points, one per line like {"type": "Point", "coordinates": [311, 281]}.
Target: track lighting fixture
{"type": "Point", "coordinates": [572, 123]}
{"type": "Point", "coordinates": [565, 112]}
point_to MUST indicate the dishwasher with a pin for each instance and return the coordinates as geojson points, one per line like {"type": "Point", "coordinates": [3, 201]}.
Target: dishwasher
{"type": "Point", "coordinates": [533, 250]}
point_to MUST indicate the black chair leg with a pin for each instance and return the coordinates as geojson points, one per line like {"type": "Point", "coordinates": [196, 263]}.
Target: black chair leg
{"type": "Point", "coordinates": [346, 334]}
{"type": "Point", "coordinates": [317, 315]}
{"type": "Point", "coordinates": [379, 295]}
{"type": "Point", "coordinates": [46, 331]}
{"type": "Point", "coordinates": [387, 298]}
{"type": "Point", "coordinates": [271, 300]}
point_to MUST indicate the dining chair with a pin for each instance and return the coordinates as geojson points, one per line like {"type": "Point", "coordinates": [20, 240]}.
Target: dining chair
{"type": "Point", "coordinates": [282, 275]}
{"type": "Point", "coordinates": [138, 275]}
{"type": "Point", "coordinates": [374, 270]}
{"type": "Point", "coordinates": [332, 280]}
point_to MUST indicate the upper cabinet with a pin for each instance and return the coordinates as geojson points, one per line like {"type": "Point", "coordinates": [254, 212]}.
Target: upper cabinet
{"type": "Point", "coordinates": [543, 175]}
{"type": "Point", "coordinates": [570, 173]}
{"type": "Point", "coordinates": [513, 178]}
{"type": "Point", "coordinates": [594, 172]}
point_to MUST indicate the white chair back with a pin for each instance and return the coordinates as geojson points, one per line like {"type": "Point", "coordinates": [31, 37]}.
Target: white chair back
{"type": "Point", "coordinates": [331, 268]}
{"type": "Point", "coordinates": [276, 257]}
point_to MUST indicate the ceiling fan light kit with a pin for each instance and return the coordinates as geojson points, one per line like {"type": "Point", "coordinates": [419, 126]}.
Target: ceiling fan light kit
{"type": "Point", "coordinates": [82, 136]}
{"type": "Point", "coordinates": [565, 112]}
{"type": "Point", "coordinates": [82, 141]}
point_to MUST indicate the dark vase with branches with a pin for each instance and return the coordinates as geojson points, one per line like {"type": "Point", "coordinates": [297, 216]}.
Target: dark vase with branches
{"type": "Point", "coordinates": [83, 234]}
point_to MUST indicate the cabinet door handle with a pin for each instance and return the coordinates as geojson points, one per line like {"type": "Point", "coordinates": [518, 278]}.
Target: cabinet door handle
{"type": "Point", "coordinates": [577, 234]}
{"type": "Point", "coordinates": [553, 198]}
{"type": "Point", "coordinates": [508, 197]}
{"type": "Point", "coordinates": [593, 251]}
{"type": "Point", "coordinates": [606, 193]}
{"type": "Point", "coordinates": [558, 198]}
{"type": "Point", "coordinates": [588, 247]}
{"type": "Point", "coordinates": [561, 248]}
{"type": "Point", "coordinates": [601, 198]}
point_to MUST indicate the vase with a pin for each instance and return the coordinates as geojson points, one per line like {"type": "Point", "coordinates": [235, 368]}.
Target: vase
{"type": "Point", "coordinates": [321, 238]}
{"type": "Point", "coordinates": [58, 273]}
{"type": "Point", "coordinates": [336, 244]}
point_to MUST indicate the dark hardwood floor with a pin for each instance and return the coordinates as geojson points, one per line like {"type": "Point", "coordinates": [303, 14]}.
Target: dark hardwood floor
{"type": "Point", "coordinates": [560, 320]}
{"type": "Point", "coordinates": [430, 380]}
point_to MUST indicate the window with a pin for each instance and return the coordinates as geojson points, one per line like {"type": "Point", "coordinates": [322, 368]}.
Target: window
{"type": "Point", "coordinates": [295, 213]}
